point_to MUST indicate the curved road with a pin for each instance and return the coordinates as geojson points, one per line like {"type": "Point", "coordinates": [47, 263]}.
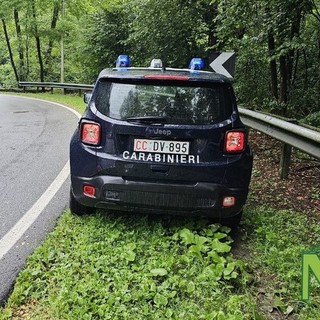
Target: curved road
{"type": "Point", "coordinates": [34, 182]}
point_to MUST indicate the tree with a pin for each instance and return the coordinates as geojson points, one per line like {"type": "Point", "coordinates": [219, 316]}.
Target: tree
{"type": "Point", "coordinates": [35, 39]}
{"type": "Point", "coordinates": [278, 28]}
{"type": "Point", "coordinates": [52, 38]}
{"type": "Point", "coordinates": [20, 46]}
{"type": "Point", "coordinates": [9, 49]}
{"type": "Point", "coordinates": [38, 40]}
{"type": "Point", "coordinates": [277, 43]}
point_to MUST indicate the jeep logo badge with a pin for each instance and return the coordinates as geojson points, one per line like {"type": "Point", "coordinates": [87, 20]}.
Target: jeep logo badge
{"type": "Point", "coordinates": [157, 131]}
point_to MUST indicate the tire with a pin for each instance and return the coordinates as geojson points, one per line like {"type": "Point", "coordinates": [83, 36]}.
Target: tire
{"type": "Point", "coordinates": [232, 222]}
{"type": "Point", "coordinates": [77, 208]}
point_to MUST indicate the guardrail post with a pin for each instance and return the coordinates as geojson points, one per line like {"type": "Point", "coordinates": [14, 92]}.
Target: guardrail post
{"type": "Point", "coordinates": [285, 161]}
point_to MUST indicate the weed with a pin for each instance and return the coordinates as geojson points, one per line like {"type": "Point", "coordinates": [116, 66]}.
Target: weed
{"type": "Point", "coordinates": [106, 267]}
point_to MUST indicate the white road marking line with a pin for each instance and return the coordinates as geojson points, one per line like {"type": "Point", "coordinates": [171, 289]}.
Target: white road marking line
{"type": "Point", "coordinates": [17, 231]}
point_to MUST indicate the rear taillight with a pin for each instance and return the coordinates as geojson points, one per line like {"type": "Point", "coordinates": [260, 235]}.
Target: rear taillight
{"type": "Point", "coordinates": [90, 133]}
{"type": "Point", "coordinates": [235, 141]}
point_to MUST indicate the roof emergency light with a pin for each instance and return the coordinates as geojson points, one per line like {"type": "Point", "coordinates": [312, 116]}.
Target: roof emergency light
{"type": "Point", "coordinates": [123, 61]}
{"type": "Point", "coordinates": [196, 64]}
{"type": "Point", "coordinates": [156, 63]}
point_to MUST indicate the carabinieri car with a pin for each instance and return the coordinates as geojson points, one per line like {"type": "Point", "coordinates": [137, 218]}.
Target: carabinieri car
{"type": "Point", "coordinates": [161, 140]}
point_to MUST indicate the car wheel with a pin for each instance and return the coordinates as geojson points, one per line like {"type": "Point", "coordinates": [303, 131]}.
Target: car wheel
{"type": "Point", "coordinates": [232, 222]}
{"type": "Point", "coordinates": [77, 208]}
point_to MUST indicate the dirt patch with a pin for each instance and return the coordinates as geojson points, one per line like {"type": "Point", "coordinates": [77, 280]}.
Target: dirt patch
{"type": "Point", "coordinates": [300, 192]}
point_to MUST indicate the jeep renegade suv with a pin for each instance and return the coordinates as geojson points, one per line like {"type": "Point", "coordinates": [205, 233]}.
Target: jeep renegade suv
{"type": "Point", "coordinates": [161, 140]}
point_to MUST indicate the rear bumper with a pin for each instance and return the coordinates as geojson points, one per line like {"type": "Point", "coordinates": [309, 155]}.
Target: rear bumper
{"type": "Point", "coordinates": [172, 198]}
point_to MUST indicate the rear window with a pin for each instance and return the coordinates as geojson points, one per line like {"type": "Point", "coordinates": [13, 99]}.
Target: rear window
{"type": "Point", "coordinates": [185, 103]}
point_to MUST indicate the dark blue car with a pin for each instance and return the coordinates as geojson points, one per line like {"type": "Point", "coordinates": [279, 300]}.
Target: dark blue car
{"type": "Point", "coordinates": [161, 140]}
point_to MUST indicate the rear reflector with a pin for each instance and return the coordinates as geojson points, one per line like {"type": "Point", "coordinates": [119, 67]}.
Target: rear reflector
{"type": "Point", "coordinates": [90, 133]}
{"type": "Point", "coordinates": [89, 191]}
{"type": "Point", "coordinates": [235, 141]}
{"type": "Point", "coordinates": [229, 201]}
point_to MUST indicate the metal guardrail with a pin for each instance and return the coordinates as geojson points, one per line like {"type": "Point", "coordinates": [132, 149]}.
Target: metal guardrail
{"type": "Point", "coordinates": [292, 135]}
{"type": "Point", "coordinates": [295, 135]}
{"type": "Point", "coordinates": [52, 85]}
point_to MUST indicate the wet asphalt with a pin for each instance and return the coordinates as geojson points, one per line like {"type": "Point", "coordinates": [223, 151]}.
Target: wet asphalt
{"type": "Point", "coordinates": [34, 147]}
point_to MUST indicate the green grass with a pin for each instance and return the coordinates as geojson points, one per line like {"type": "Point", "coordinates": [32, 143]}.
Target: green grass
{"type": "Point", "coordinates": [113, 266]}
{"type": "Point", "coordinates": [276, 240]}
{"type": "Point", "coordinates": [137, 267]}
{"type": "Point", "coordinates": [116, 266]}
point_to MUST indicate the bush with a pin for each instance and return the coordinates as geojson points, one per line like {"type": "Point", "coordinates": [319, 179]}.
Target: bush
{"type": "Point", "coordinates": [312, 119]}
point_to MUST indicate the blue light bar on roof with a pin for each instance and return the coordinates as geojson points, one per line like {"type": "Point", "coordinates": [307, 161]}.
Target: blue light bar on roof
{"type": "Point", "coordinates": [123, 61]}
{"type": "Point", "coordinates": [197, 64]}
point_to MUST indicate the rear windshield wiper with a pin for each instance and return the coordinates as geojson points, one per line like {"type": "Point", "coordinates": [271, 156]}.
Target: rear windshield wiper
{"type": "Point", "coordinates": [147, 119]}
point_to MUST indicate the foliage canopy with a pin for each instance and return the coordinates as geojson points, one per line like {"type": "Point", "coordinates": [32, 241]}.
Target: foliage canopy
{"type": "Point", "coordinates": [277, 43]}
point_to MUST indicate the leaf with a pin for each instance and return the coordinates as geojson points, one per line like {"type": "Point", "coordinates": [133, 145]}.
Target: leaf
{"type": "Point", "coordinates": [190, 287]}
{"type": "Point", "coordinates": [215, 257]}
{"type": "Point", "coordinates": [130, 256]}
{"type": "Point", "coordinates": [159, 272]}
{"type": "Point", "coordinates": [232, 275]}
{"type": "Point", "coordinates": [225, 229]}
{"type": "Point", "coordinates": [169, 314]}
{"type": "Point", "coordinates": [220, 246]}
{"type": "Point", "coordinates": [212, 229]}
{"type": "Point", "coordinates": [229, 268]}
{"type": "Point", "coordinates": [214, 271]}
{"type": "Point", "coordinates": [196, 250]}
{"type": "Point", "coordinates": [160, 300]}
{"type": "Point", "coordinates": [187, 236]}
{"type": "Point", "coordinates": [219, 235]}
{"type": "Point", "coordinates": [198, 240]}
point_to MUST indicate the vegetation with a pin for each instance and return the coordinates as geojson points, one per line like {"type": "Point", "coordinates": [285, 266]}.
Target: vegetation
{"type": "Point", "coordinates": [106, 267]}
{"type": "Point", "coordinates": [277, 43]}
{"type": "Point", "coordinates": [120, 267]}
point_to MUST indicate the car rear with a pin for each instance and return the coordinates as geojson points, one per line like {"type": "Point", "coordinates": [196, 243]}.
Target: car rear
{"type": "Point", "coordinates": [162, 142]}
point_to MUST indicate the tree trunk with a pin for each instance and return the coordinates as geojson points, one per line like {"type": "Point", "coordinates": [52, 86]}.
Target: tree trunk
{"type": "Point", "coordinates": [20, 46]}
{"type": "Point", "coordinates": [273, 67]}
{"type": "Point", "coordinates": [295, 32]}
{"type": "Point", "coordinates": [283, 98]}
{"type": "Point", "coordinates": [48, 59]}
{"type": "Point", "coordinates": [38, 43]}
{"type": "Point", "coordinates": [9, 49]}
{"type": "Point", "coordinates": [28, 27]}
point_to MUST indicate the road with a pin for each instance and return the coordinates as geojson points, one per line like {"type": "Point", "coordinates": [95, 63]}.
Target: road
{"type": "Point", "coordinates": [34, 182]}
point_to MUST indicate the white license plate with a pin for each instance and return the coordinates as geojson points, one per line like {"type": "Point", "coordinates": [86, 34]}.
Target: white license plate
{"type": "Point", "coordinates": [161, 146]}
